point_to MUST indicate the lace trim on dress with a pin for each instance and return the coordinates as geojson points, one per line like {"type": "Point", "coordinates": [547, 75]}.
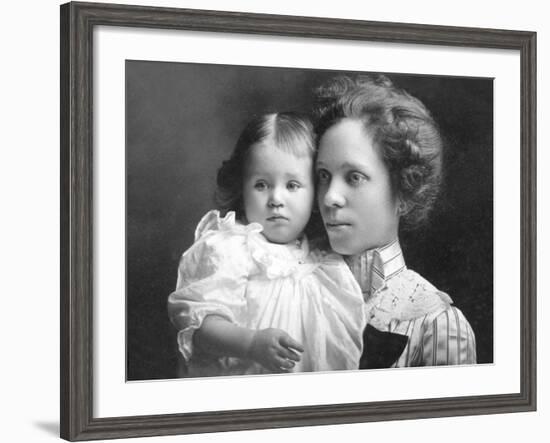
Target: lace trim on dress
{"type": "Point", "coordinates": [393, 292]}
{"type": "Point", "coordinates": [406, 297]}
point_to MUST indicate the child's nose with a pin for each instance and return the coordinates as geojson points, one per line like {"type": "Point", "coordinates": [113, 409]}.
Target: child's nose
{"type": "Point", "coordinates": [276, 198]}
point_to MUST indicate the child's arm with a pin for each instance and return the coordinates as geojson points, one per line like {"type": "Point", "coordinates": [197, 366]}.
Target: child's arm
{"type": "Point", "coordinates": [273, 348]}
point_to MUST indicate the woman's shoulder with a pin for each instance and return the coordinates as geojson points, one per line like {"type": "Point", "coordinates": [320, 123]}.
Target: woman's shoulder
{"type": "Point", "coordinates": [411, 296]}
{"type": "Point", "coordinates": [408, 295]}
{"type": "Point", "coordinates": [411, 284]}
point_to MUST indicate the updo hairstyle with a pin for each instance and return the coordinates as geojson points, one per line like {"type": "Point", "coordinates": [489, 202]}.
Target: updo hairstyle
{"type": "Point", "coordinates": [403, 130]}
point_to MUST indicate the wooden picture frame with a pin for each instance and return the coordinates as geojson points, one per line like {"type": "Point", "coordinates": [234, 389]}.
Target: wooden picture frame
{"type": "Point", "coordinates": [78, 21]}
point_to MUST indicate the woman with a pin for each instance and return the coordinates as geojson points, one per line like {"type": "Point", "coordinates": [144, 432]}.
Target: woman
{"type": "Point", "coordinates": [378, 168]}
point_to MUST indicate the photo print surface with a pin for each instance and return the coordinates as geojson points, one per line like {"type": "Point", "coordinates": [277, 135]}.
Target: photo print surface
{"type": "Point", "coordinates": [184, 119]}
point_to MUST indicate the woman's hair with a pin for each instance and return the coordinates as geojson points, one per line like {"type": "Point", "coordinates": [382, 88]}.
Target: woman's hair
{"type": "Point", "coordinates": [287, 131]}
{"type": "Point", "coordinates": [403, 130]}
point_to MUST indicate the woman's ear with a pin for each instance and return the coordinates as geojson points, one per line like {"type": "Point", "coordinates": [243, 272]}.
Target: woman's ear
{"type": "Point", "coordinates": [401, 207]}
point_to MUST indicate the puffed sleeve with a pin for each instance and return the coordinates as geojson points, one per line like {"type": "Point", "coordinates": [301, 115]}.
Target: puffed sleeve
{"type": "Point", "coordinates": [448, 340]}
{"type": "Point", "coordinates": [212, 277]}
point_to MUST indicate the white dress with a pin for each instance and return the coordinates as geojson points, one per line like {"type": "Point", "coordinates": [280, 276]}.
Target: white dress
{"type": "Point", "coordinates": [234, 272]}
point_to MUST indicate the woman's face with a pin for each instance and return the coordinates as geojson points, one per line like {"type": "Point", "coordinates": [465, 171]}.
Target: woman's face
{"type": "Point", "coordinates": [358, 206]}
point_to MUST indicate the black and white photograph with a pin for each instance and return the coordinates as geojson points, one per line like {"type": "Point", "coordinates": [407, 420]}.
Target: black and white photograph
{"type": "Point", "coordinates": [285, 220]}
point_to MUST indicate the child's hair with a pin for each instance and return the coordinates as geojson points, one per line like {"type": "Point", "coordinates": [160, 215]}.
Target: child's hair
{"type": "Point", "coordinates": [403, 130]}
{"type": "Point", "coordinates": [288, 131]}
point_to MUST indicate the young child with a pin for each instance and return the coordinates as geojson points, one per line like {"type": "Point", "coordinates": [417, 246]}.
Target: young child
{"type": "Point", "coordinates": [251, 296]}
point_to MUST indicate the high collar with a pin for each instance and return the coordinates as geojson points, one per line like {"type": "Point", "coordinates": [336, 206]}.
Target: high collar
{"type": "Point", "coordinates": [373, 268]}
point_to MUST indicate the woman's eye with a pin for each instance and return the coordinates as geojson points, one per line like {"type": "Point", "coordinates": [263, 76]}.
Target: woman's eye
{"type": "Point", "coordinates": [260, 186]}
{"type": "Point", "coordinates": [356, 178]}
{"type": "Point", "coordinates": [293, 186]}
{"type": "Point", "coordinates": [323, 176]}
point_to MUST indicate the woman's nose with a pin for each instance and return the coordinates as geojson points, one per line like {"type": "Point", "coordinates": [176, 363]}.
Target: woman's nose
{"type": "Point", "coordinates": [333, 196]}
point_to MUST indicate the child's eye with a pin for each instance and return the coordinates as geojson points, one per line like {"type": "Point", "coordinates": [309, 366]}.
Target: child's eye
{"type": "Point", "coordinates": [356, 178]}
{"type": "Point", "coordinates": [293, 186]}
{"type": "Point", "coordinates": [260, 185]}
{"type": "Point", "coordinates": [323, 176]}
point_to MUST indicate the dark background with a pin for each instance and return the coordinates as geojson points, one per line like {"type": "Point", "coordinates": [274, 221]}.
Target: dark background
{"type": "Point", "coordinates": [183, 119]}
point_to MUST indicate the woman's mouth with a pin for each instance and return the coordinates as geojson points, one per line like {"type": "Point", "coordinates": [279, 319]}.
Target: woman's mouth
{"type": "Point", "coordinates": [336, 225]}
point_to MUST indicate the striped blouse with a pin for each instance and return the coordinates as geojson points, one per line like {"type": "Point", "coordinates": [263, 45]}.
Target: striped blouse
{"type": "Point", "coordinates": [400, 301]}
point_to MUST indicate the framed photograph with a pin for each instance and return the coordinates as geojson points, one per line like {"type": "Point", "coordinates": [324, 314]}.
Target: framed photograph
{"type": "Point", "coordinates": [179, 319]}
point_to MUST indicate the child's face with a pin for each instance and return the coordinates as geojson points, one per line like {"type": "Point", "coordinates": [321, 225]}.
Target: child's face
{"type": "Point", "coordinates": [355, 195]}
{"type": "Point", "coordinates": [278, 192]}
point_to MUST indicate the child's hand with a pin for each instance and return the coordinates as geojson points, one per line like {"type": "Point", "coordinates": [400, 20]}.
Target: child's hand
{"type": "Point", "coordinates": [274, 349]}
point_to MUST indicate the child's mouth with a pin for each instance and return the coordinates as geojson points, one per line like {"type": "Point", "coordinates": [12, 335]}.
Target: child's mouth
{"type": "Point", "coordinates": [277, 218]}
